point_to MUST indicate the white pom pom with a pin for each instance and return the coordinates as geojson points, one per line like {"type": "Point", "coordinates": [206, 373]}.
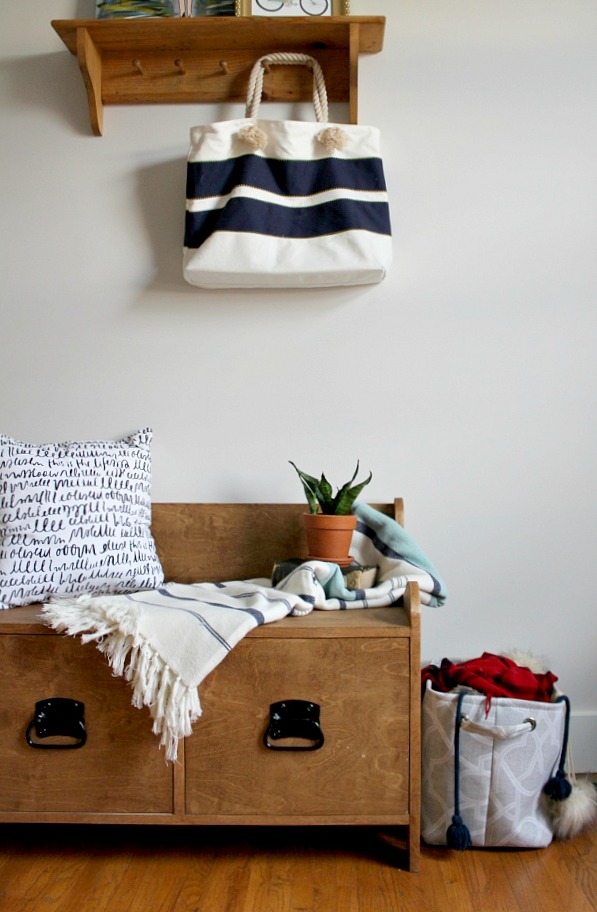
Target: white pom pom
{"type": "Point", "coordinates": [577, 812]}
{"type": "Point", "coordinates": [254, 137]}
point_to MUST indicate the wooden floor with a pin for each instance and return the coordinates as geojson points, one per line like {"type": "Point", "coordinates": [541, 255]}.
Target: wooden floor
{"type": "Point", "coordinates": [316, 869]}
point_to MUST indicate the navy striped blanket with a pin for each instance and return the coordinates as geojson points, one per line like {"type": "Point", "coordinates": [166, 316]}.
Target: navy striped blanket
{"type": "Point", "coordinates": [166, 641]}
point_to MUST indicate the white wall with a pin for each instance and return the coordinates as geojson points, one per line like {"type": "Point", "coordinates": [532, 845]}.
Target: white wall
{"type": "Point", "coordinates": [465, 381]}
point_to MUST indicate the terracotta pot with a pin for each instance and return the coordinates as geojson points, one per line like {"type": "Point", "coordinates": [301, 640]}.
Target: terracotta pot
{"type": "Point", "coordinates": [329, 537]}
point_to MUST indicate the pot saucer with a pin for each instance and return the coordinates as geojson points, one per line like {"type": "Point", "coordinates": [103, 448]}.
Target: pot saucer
{"type": "Point", "coordinates": [341, 561]}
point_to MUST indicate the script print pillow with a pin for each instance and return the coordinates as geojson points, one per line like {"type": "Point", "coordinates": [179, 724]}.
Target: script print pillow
{"type": "Point", "coordinates": [75, 518]}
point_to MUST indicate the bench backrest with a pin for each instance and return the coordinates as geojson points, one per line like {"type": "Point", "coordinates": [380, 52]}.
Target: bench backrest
{"type": "Point", "coordinates": [198, 542]}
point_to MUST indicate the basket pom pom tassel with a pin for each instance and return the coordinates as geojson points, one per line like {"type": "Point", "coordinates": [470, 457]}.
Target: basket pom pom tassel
{"type": "Point", "coordinates": [458, 834]}
{"type": "Point", "coordinates": [558, 788]}
{"type": "Point", "coordinates": [573, 807]}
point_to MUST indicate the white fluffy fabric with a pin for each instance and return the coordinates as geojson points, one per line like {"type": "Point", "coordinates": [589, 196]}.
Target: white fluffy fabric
{"type": "Point", "coordinates": [537, 664]}
{"type": "Point", "coordinates": [577, 812]}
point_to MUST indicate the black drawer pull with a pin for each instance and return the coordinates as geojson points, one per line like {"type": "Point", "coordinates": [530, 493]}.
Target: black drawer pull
{"type": "Point", "coordinates": [294, 719]}
{"type": "Point", "coordinates": [58, 716]}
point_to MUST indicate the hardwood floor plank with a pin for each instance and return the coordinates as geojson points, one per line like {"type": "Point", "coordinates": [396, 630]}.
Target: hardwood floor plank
{"type": "Point", "coordinates": [221, 880]}
{"type": "Point", "coordinates": [579, 858]}
{"type": "Point", "coordinates": [436, 881]}
{"type": "Point", "coordinates": [522, 871]}
{"type": "Point", "coordinates": [153, 878]}
{"type": "Point", "coordinates": [347, 883]}
{"type": "Point", "coordinates": [302, 895]}
{"type": "Point", "coordinates": [482, 874]}
{"type": "Point", "coordinates": [302, 869]}
{"type": "Point", "coordinates": [50, 874]}
{"type": "Point", "coordinates": [28, 881]}
{"type": "Point", "coordinates": [285, 876]}
{"type": "Point", "coordinates": [551, 875]}
{"type": "Point", "coordinates": [96, 889]}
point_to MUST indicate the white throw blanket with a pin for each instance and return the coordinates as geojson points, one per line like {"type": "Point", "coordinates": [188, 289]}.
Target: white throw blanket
{"type": "Point", "coordinates": [166, 641]}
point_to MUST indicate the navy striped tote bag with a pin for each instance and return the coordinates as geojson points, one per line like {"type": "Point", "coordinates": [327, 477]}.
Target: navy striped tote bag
{"type": "Point", "coordinates": [285, 204]}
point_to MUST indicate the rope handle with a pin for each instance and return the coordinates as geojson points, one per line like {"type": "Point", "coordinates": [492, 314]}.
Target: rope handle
{"type": "Point", "coordinates": [255, 86]}
{"type": "Point", "coordinates": [499, 732]}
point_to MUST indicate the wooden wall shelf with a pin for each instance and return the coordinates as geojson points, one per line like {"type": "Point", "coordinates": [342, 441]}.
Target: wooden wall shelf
{"type": "Point", "coordinates": [165, 61]}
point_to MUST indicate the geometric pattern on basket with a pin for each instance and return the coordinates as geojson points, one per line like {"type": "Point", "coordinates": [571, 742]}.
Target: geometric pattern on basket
{"type": "Point", "coordinates": [501, 780]}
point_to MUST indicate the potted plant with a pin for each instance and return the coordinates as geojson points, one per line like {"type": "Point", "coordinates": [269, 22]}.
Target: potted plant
{"type": "Point", "coordinates": [329, 524]}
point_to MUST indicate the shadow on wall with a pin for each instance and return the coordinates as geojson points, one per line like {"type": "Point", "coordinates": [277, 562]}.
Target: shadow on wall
{"type": "Point", "coordinates": [39, 82]}
{"type": "Point", "coordinates": [161, 198]}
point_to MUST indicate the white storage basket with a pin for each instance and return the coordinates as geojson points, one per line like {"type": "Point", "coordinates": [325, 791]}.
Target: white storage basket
{"type": "Point", "coordinates": [491, 773]}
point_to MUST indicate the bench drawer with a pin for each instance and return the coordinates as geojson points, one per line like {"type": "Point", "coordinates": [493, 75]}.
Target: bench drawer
{"type": "Point", "coordinates": [119, 769]}
{"type": "Point", "coordinates": [361, 771]}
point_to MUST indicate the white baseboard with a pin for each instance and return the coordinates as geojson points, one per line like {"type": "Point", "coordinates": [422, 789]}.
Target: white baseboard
{"type": "Point", "coordinates": [583, 740]}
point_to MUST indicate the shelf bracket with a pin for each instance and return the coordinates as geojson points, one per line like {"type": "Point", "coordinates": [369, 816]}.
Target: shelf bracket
{"type": "Point", "coordinates": [90, 63]}
{"type": "Point", "coordinates": [353, 73]}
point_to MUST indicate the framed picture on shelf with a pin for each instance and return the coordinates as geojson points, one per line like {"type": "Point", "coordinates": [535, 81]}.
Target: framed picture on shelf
{"type": "Point", "coordinates": [136, 9]}
{"type": "Point", "coordinates": [292, 7]}
{"type": "Point", "coordinates": [210, 7]}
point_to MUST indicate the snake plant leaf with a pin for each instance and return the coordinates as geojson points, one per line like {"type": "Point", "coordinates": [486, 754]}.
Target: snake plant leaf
{"type": "Point", "coordinates": [347, 495]}
{"type": "Point", "coordinates": [327, 492]}
{"type": "Point", "coordinates": [320, 493]}
{"type": "Point", "coordinates": [310, 487]}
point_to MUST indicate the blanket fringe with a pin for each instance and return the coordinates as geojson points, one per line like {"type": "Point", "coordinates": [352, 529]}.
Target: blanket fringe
{"type": "Point", "coordinates": [174, 706]}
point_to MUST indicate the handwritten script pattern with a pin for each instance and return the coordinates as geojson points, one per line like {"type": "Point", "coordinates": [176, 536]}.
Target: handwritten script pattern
{"type": "Point", "coordinates": [75, 518]}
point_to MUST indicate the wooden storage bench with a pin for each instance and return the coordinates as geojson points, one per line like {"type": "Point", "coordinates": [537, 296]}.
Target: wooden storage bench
{"type": "Point", "coordinates": [361, 666]}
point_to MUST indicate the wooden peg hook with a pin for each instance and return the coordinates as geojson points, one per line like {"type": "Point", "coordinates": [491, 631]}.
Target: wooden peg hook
{"type": "Point", "coordinates": [224, 67]}
{"type": "Point", "coordinates": [138, 67]}
{"type": "Point", "coordinates": [180, 66]}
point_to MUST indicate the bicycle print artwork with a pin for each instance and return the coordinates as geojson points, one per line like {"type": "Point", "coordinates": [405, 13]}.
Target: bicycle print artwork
{"type": "Point", "coordinates": [293, 7]}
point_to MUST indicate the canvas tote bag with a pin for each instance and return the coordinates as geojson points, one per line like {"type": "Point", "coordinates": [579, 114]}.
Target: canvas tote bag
{"type": "Point", "coordinates": [505, 759]}
{"type": "Point", "coordinates": [285, 203]}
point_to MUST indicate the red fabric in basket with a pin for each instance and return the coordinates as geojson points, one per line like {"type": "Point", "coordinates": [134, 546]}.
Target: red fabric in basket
{"type": "Point", "coordinates": [492, 675]}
